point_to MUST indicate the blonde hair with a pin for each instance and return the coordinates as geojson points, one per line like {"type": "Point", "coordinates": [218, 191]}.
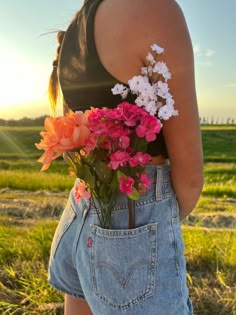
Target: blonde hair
{"type": "Point", "coordinates": [53, 86]}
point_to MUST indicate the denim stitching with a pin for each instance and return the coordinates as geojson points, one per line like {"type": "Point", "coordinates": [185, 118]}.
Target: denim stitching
{"type": "Point", "coordinates": [79, 230]}
{"type": "Point", "coordinates": [77, 295]}
{"type": "Point", "coordinates": [122, 206]}
{"type": "Point", "coordinates": [173, 226]}
{"type": "Point", "coordinates": [122, 233]}
{"type": "Point", "coordinates": [70, 218]}
{"type": "Point", "coordinates": [123, 281]}
{"type": "Point", "coordinates": [174, 239]}
{"type": "Point", "coordinates": [163, 185]}
{"type": "Point", "coordinates": [159, 179]}
{"type": "Point", "coordinates": [91, 262]}
{"type": "Point", "coordinates": [152, 270]}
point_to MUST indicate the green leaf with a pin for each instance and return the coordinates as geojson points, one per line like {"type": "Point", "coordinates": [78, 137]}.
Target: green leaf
{"type": "Point", "coordinates": [89, 177]}
{"type": "Point", "coordinates": [120, 175]}
{"type": "Point", "coordinates": [90, 159]}
{"type": "Point", "coordinates": [79, 170]}
{"type": "Point", "coordinates": [104, 193]}
{"type": "Point", "coordinates": [103, 172]}
{"type": "Point", "coordinates": [134, 195]}
{"type": "Point", "coordinates": [141, 145]}
{"type": "Point", "coordinates": [114, 182]}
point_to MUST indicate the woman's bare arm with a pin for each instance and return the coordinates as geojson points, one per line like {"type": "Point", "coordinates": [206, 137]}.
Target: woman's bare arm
{"type": "Point", "coordinates": [136, 24]}
{"type": "Point", "coordinates": [182, 133]}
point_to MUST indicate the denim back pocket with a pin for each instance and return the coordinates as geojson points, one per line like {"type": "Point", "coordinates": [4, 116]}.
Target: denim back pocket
{"type": "Point", "coordinates": [67, 217]}
{"type": "Point", "coordinates": [123, 265]}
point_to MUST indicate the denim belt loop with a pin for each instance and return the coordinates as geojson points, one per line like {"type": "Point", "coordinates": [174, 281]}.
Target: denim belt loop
{"type": "Point", "coordinates": [159, 181]}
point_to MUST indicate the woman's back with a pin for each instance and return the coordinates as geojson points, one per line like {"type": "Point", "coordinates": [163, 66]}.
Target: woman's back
{"type": "Point", "coordinates": [124, 31]}
{"type": "Point", "coordinates": [109, 41]}
{"type": "Point", "coordinates": [94, 57]}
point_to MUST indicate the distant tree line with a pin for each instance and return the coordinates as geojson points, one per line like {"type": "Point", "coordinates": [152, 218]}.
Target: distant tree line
{"type": "Point", "coordinates": [217, 121]}
{"type": "Point", "coordinates": [39, 121]}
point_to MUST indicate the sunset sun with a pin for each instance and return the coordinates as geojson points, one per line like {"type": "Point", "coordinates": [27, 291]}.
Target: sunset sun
{"type": "Point", "coordinates": [18, 85]}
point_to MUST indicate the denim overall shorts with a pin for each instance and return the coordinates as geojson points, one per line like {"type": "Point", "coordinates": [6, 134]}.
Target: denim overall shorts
{"type": "Point", "coordinates": [139, 271]}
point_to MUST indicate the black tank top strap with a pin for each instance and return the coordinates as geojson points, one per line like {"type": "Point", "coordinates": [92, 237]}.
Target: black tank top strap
{"type": "Point", "coordinates": [84, 80]}
{"type": "Point", "coordinates": [91, 7]}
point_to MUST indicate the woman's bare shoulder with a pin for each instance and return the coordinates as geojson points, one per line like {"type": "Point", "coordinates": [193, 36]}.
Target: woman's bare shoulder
{"type": "Point", "coordinates": [160, 21]}
{"type": "Point", "coordinates": [140, 23]}
{"type": "Point", "coordinates": [134, 25]}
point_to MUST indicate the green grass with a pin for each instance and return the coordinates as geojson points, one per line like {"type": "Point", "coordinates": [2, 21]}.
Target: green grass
{"type": "Point", "coordinates": [19, 142]}
{"type": "Point", "coordinates": [24, 254]}
{"type": "Point", "coordinates": [211, 260]}
{"type": "Point", "coordinates": [58, 166]}
{"type": "Point", "coordinates": [220, 178]}
{"type": "Point", "coordinates": [219, 143]}
{"type": "Point", "coordinates": [32, 180]}
{"type": "Point", "coordinates": [214, 205]}
{"type": "Point", "coordinates": [211, 263]}
{"type": "Point", "coordinates": [29, 198]}
{"type": "Point", "coordinates": [218, 127]}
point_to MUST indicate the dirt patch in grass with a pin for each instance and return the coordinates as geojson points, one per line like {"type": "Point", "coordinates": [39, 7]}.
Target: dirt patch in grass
{"type": "Point", "coordinates": [40, 204]}
{"type": "Point", "coordinates": [20, 206]}
{"type": "Point", "coordinates": [224, 221]}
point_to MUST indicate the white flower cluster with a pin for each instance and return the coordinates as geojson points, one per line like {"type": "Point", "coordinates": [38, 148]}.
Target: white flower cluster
{"type": "Point", "coordinates": [154, 97]}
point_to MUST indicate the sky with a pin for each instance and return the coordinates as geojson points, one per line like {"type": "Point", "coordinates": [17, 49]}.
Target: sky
{"type": "Point", "coordinates": [26, 53]}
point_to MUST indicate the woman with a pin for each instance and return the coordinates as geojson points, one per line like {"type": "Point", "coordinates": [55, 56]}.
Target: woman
{"type": "Point", "coordinates": [102, 271]}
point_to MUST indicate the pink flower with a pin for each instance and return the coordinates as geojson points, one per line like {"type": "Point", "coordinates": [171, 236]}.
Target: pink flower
{"type": "Point", "coordinates": [148, 128]}
{"type": "Point", "coordinates": [116, 131]}
{"type": "Point", "coordinates": [96, 121]}
{"type": "Point", "coordinates": [126, 185]}
{"type": "Point", "coordinates": [113, 114]}
{"type": "Point", "coordinates": [145, 181]}
{"type": "Point", "coordinates": [119, 158]}
{"type": "Point", "coordinates": [130, 113]}
{"type": "Point", "coordinates": [124, 142]}
{"type": "Point", "coordinates": [96, 115]}
{"type": "Point", "coordinates": [81, 192]}
{"type": "Point", "coordinates": [100, 127]}
{"type": "Point", "coordinates": [139, 159]}
{"type": "Point", "coordinates": [106, 122]}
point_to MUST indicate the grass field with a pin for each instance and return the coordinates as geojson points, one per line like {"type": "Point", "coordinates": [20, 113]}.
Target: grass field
{"type": "Point", "coordinates": [219, 143]}
{"type": "Point", "coordinates": [30, 205]}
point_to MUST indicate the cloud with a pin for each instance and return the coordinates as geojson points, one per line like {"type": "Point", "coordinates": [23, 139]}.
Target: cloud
{"type": "Point", "coordinates": [203, 55]}
{"type": "Point", "coordinates": [209, 52]}
{"type": "Point", "coordinates": [203, 52]}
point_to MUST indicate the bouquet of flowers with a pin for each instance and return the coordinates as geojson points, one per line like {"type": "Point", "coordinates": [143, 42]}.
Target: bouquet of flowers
{"type": "Point", "coordinates": [106, 148]}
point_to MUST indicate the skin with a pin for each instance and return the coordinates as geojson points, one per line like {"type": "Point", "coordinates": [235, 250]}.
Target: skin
{"type": "Point", "coordinates": [122, 48]}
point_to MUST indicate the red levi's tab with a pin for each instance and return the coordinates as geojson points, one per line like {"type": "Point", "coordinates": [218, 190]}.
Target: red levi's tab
{"type": "Point", "coordinates": [89, 242]}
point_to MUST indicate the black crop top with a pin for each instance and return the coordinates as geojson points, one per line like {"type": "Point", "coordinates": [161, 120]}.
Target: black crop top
{"type": "Point", "coordinates": [83, 79]}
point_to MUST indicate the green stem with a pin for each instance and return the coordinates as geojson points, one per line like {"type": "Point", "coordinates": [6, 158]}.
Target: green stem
{"type": "Point", "coordinates": [70, 160]}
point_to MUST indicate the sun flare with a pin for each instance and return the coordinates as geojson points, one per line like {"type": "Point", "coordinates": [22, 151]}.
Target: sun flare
{"type": "Point", "coordinates": [21, 81]}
